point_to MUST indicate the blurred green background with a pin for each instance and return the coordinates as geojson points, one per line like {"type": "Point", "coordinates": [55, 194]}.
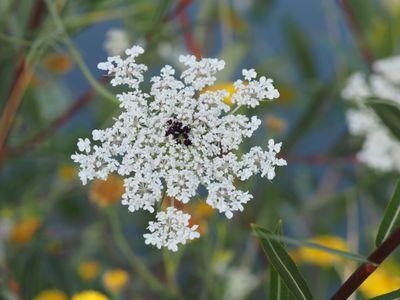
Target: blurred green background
{"type": "Point", "coordinates": [56, 234]}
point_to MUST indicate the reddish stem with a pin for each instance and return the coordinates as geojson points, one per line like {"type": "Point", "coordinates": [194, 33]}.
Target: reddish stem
{"type": "Point", "coordinates": [180, 7]}
{"type": "Point", "coordinates": [57, 123]}
{"type": "Point", "coordinates": [20, 81]}
{"type": "Point", "coordinates": [190, 43]}
{"type": "Point", "coordinates": [366, 269]}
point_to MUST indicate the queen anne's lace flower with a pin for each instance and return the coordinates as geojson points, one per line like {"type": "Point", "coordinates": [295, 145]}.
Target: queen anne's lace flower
{"type": "Point", "coordinates": [177, 137]}
{"type": "Point", "coordinates": [170, 229]}
{"type": "Point", "coordinates": [380, 149]}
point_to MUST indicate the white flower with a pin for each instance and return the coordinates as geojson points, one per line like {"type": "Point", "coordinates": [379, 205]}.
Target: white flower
{"type": "Point", "coordinates": [84, 145]}
{"type": "Point", "coordinates": [380, 149]}
{"type": "Point", "coordinates": [177, 137]}
{"type": "Point", "coordinates": [226, 198]}
{"type": "Point", "coordinates": [251, 92]}
{"type": "Point", "coordinates": [249, 74]}
{"type": "Point", "coordinates": [170, 229]}
{"type": "Point", "coordinates": [116, 41]}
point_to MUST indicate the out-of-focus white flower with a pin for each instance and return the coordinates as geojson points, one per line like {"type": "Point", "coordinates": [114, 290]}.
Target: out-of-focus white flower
{"type": "Point", "coordinates": [178, 137]}
{"type": "Point", "coordinates": [239, 283]}
{"type": "Point", "coordinates": [170, 229]}
{"type": "Point", "coordinates": [380, 150]}
{"type": "Point", "coordinates": [116, 41]}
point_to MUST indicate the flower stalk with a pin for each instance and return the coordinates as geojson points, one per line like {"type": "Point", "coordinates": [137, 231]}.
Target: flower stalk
{"type": "Point", "coordinates": [366, 269]}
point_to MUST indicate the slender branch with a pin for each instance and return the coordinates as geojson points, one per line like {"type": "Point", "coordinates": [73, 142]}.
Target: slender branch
{"type": "Point", "coordinates": [180, 7]}
{"type": "Point", "coordinates": [56, 124]}
{"type": "Point", "coordinates": [22, 77]}
{"type": "Point", "coordinates": [357, 32]}
{"type": "Point", "coordinates": [190, 43]}
{"type": "Point", "coordinates": [366, 269]}
{"type": "Point", "coordinates": [37, 15]}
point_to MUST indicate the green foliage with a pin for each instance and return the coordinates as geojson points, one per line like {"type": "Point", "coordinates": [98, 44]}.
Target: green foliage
{"type": "Point", "coordinates": [395, 295]}
{"type": "Point", "coordinates": [283, 265]}
{"type": "Point", "coordinates": [391, 218]}
{"type": "Point", "coordinates": [278, 289]}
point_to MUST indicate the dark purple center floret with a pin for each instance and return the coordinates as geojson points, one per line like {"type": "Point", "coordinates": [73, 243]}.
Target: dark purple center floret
{"type": "Point", "coordinates": [179, 132]}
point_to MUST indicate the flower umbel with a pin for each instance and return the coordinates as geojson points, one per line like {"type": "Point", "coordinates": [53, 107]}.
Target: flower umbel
{"type": "Point", "coordinates": [177, 137]}
{"type": "Point", "coordinates": [380, 149]}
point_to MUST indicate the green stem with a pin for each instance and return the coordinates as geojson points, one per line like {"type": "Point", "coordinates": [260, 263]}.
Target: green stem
{"type": "Point", "coordinates": [136, 263]}
{"type": "Point", "coordinates": [77, 56]}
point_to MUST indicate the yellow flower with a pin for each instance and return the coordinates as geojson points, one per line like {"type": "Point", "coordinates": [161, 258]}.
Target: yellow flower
{"type": "Point", "coordinates": [67, 172]}
{"type": "Point", "coordinates": [104, 193]}
{"type": "Point", "coordinates": [115, 280]}
{"type": "Point", "coordinates": [51, 295]}
{"type": "Point", "coordinates": [89, 295]}
{"type": "Point", "coordinates": [319, 257]}
{"type": "Point", "coordinates": [380, 282]}
{"type": "Point", "coordinates": [275, 124]}
{"type": "Point", "coordinates": [88, 270]}
{"type": "Point", "coordinates": [200, 212]}
{"type": "Point", "coordinates": [202, 209]}
{"type": "Point", "coordinates": [57, 63]}
{"type": "Point", "coordinates": [229, 87]}
{"type": "Point", "coordinates": [23, 231]}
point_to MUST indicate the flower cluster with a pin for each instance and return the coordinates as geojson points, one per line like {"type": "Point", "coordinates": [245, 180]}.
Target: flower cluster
{"type": "Point", "coordinates": [177, 137]}
{"type": "Point", "coordinates": [380, 149]}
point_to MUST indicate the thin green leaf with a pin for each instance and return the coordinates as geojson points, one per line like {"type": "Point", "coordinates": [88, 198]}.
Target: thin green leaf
{"type": "Point", "coordinates": [391, 217]}
{"type": "Point", "coordinates": [395, 295]}
{"type": "Point", "coordinates": [283, 264]}
{"type": "Point", "coordinates": [277, 289]}
{"type": "Point", "coordinates": [389, 114]}
{"type": "Point", "coordinates": [348, 255]}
